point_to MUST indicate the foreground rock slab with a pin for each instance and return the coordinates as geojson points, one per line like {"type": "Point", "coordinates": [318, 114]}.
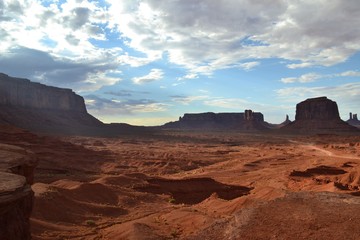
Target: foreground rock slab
{"type": "Point", "coordinates": [16, 197]}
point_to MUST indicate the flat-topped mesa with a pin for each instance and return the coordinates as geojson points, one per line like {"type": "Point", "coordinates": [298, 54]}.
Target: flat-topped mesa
{"type": "Point", "coordinates": [248, 120]}
{"type": "Point", "coordinates": [24, 93]}
{"type": "Point", "coordinates": [318, 115]}
{"type": "Point", "coordinates": [320, 108]}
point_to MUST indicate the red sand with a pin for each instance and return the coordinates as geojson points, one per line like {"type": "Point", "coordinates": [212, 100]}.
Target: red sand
{"type": "Point", "coordinates": [195, 186]}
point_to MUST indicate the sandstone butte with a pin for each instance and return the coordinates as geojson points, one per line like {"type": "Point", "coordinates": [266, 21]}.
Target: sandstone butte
{"type": "Point", "coordinates": [316, 115]}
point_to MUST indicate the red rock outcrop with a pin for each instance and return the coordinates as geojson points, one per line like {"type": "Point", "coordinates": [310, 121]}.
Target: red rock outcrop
{"type": "Point", "coordinates": [319, 108]}
{"type": "Point", "coordinates": [16, 197]}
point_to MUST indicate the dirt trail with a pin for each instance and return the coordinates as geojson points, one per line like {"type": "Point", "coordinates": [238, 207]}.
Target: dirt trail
{"type": "Point", "coordinates": [328, 153]}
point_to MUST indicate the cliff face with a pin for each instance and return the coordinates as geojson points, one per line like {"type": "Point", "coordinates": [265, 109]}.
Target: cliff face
{"type": "Point", "coordinates": [318, 115]}
{"type": "Point", "coordinates": [16, 197]}
{"type": "Point", "coordinates": [317, 109]}
{"type": "Point", "coordinates": [23, 93]}
{"type": "Point", "coordinates": [42, 108]}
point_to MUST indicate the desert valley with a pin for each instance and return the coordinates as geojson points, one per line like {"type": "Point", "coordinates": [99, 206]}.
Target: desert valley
{"type": "Point", "coordinates": [206, 176]}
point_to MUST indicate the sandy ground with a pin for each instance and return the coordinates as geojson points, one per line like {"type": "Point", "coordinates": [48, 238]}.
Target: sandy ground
{"type": "Point", "coordinates": [182, 185]}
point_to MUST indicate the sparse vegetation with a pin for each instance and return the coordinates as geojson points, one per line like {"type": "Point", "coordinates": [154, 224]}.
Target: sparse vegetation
{"type": "Point", "coordinates": [175, 233]}
{"type": "Point", "coordinates": [90, 223]}
{"type": "Point", "coordinates": [172, 200]}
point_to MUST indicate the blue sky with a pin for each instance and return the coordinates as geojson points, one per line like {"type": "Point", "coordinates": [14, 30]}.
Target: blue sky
{"type": "Point", "coordinates": [147, 62]}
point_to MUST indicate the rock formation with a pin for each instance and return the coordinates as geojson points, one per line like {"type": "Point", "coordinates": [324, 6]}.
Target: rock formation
{"type": "Point", "coordinates": [16, 197]}
{"type": "Point", "coordinates": [317, 115]}
{"type": "Point", "coordinates": [353, 120]}
{"type": "Point", "coordinates": [23, 93]}
{"type": "Point", "coordinates": [248, 120]}
{"type": "Point", "coordinates": [277, 126]}
{"type": "Point", "coordinates": [319, 108]}
{"type": "Point", "coordinates": [41, 108]}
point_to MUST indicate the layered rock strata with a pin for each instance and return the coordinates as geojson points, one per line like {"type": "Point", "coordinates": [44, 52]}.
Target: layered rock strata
{"type": "Point", "coordinates": [247, 120]}
{"type": "Point", "coordinates": [318, 115]}
{"type": "Point", "coordinates": [16, 197]}
{"type": "Point", "coordinates": [42, 108]}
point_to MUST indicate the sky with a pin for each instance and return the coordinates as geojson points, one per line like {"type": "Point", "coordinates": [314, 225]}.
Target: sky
{"type": "Point", "coordinates": [147, 62]}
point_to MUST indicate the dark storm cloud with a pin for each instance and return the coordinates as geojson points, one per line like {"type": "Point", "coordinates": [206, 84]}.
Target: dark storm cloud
{"type": "Point", "coordinates": [43, 67]}
{"type": "Point", "coordinates": [80, 16]}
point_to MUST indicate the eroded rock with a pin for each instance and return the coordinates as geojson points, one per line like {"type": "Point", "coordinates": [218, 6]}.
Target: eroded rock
{"type": "Point", "coordinates": [16, 197]}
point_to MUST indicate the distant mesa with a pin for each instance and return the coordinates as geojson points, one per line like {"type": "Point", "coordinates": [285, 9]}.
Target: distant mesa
{"type": "Point", "coordinates": [248, 120]}
{"type": "Point", "coordinates": [318, 115]}
{"type": "Point", "coordinates": [353, 120]}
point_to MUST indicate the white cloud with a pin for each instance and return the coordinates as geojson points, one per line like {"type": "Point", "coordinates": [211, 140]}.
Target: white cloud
{"type": "Point", "coordinates": [186, 100]}
{"type": "Point", "coordinates": [249, 65]}
{"type": "Point", "coordinates": [205, 36]}
{"type": "Point", "coordinates": [306, 78]}
{"type": "Point", "coordinates": [202, 36]}
{"type": "Point", "coordinates": [230, 103]}
{"type": "Point", "coordinates": [135, 61]}
{"type": "Point", "coordinates": [189, 76]}
{"type": "Point", "coordinates": [299, 65]}
{"type": "Point", "coordinates": [349, 74]}
{"type": "Point", "coordinates": [154, 75]}
{"type": "Point", "coordinates": [311, 77]}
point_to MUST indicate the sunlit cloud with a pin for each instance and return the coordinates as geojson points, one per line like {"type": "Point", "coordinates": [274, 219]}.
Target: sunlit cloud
{"type": "Point", "coordinates": [154, 75]}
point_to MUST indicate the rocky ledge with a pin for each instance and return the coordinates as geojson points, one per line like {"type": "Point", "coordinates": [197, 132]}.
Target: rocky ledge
{"type": "Point", "coordinates": [16, 197]}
